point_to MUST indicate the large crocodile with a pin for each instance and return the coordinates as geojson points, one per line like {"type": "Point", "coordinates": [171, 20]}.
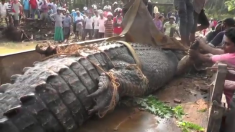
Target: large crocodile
{"type": "Point", "coordinates": [60, 93]}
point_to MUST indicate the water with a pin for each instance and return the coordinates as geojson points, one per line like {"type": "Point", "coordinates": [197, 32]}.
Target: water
{"type": "Point", "coordinates": [123, 120]}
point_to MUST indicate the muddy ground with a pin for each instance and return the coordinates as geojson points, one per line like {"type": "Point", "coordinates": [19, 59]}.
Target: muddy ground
{"type": "Point", "coordinates": [190, 90]}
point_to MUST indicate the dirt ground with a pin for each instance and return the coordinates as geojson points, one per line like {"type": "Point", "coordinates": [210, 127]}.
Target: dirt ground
{"type": "Point", "coordinates": [190, 90]}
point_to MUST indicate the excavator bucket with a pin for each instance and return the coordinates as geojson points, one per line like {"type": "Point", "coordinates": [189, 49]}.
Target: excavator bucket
{"type": "Point", "coordinates": [139, 27]}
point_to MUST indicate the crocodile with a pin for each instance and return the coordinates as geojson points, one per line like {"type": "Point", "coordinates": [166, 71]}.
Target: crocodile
{"type": "Point", "coordinates": [62, 92]}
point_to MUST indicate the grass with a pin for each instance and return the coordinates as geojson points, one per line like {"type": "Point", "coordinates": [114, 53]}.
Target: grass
{"type": "Point", "coordinates": [12, 47]}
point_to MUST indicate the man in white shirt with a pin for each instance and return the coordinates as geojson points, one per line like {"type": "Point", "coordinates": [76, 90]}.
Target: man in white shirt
{"type": "Point", "coordinates": [3, 11]}
{"type": "Point", "coordinates": [88, 26]}
{"type": "Point", "coordinates": [101, 25]}
{"type": "Point", "coordinates": [78, 25]}
{"type": "Point", "coordinates": [39, 2]}
{"type": "Point", "coordinates": [96, 25]}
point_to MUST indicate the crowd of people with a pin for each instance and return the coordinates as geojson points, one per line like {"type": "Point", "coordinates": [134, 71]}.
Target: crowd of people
{"type": "Point", "coordinates": [93, 22]}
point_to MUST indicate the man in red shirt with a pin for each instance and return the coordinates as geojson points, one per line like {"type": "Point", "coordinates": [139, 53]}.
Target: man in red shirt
{"type": "Point", "coordinates": [33, 5]}
{"type": "Point", "coordinates": [117, 21]}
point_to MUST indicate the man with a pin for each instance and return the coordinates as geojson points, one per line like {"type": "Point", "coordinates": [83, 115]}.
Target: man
{"type": "Point", "coordinates": [3, 11]}
{"type": "Point", "coordinates": [96, 25]}
{"type": "Point", "coordinates": [66, 26]}
{"type": "Point", "coordinates": [185, 11]}
{"type": "Point", "coordinates": [34, 6]}
{"type": "Point", "coordinates": [199, 18]}
{"type": "Point", "coordinates": [114, 6]}
{"type": "Point", "coordinates": [170, 27]}
{"type": "Point", "coordinates": [73, 15]}
{"type": "Point", "coordinates": [88, 26]}
{"type": "Point", "coordinates": [16, 9]}
{"type": "Point", "coordinates": [226, 24]}
{"type": "Point", "coordinates": [101, 25]}
{"type": "Point", "coordinates": [26, 8]}
{"type": "Point", "coordinates": [108, 6]}
{"type": "Point", "coordinates": [40, 3]}
{"type": "Point", "coordinates": [210, 36]}
{"type": "Point", "coordinates": [78, 25]}
{"type": "Point", "coordinates": [44, 11]}
{"type": "Point", "coordinates": [9, 11]}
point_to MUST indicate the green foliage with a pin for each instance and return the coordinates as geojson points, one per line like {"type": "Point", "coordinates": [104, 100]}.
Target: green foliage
{"type": "Point", "coordinates": [178, 111]}
{"type": "Point", "coordinates": [230, 4]}
{"type": "Point", "coordinates": [159, 108]}
{"type": "Point", "coordinates": [188, 127]}
{"type": "Point", "coordinates": [153, 105]}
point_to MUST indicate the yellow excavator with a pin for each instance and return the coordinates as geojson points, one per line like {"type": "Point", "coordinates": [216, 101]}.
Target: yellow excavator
{"type": "Point", "coordinates": [138, 27]}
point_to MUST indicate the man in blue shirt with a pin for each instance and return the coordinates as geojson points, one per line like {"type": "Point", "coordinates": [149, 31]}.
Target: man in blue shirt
{"type": "Point", "coordinates": [74, 14]}
{"type": "Point", "coordinates": [26, 8]}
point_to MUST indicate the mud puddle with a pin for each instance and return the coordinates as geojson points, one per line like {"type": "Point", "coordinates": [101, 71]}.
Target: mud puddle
{"type": "Point", "coordinates": [186, 90]}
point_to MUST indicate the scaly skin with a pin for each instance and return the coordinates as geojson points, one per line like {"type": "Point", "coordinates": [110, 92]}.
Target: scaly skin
{"type": "Point", "coordinates": [61, 93]}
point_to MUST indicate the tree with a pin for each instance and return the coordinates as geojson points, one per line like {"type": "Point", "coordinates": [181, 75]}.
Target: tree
{"type": "Point", "coordinates": [230, 4]}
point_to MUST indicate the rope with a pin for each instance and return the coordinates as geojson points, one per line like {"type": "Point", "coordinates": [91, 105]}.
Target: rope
{"type": "Point", "coordinates": [73, 50]}
{"type": "Point", "coordinates": [131, 14]}
{"type": "Point", "coordinates": [115, 86]}
{"type": "Point", "coordinates": [133, 53]}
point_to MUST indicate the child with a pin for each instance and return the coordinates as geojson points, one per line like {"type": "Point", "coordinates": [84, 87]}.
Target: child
{"type": "Point", "coordinates": [108, 25]}
{"type": "Point", "coordinates": [117, 21]}
{"type": "Point", "coordinates": [58, 18]}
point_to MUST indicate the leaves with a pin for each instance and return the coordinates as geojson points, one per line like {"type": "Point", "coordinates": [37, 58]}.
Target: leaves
{"type": "Point", "coordinates": [157, 107]}
{"type": "Point", "coordinates": [178, 112]}
{"type": "Point", "coordinates": [188, 127]}
{"type": "Point", "coordinates": [230, 4]}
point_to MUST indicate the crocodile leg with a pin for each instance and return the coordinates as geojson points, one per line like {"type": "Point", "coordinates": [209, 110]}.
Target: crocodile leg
{"type": "Point", "coordinates": [128, 81]}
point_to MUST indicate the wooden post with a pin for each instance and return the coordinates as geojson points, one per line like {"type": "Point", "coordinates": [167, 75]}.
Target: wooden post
{"type": "Point", "coordinates": [217, 109]}
{"type": "Point", "coordinates": [1, 68]}
{"type": "Point", "coordinates": [219, 84]}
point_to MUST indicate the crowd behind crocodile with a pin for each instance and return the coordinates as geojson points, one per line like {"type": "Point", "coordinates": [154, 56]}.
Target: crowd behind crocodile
{"type": "Point", "coordinates": [96, 21]}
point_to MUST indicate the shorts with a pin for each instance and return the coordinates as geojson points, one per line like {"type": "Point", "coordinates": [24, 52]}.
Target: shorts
{"type": "Point", "coordinates": [16, 16]}
{"type": "Point", "coordinates": [79, 28]}
{"type": "Point", "coordinates": [200, 19]}
{"type": "Point", "coordinates": [3, 15]}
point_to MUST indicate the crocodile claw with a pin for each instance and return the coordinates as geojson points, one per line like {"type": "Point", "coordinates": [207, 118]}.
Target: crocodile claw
{"type": "Point", "coordinates": [103, 96]}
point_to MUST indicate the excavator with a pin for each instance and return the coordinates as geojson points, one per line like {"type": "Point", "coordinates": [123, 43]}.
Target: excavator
{"type": "Point", "coordinates": [138, 27]}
